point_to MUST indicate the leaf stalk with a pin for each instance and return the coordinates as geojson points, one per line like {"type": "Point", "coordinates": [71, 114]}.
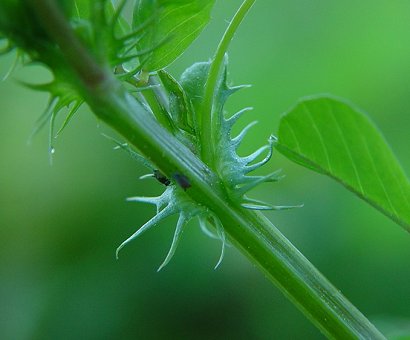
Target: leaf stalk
{"type": "Point", "coordinates": [206, 120]}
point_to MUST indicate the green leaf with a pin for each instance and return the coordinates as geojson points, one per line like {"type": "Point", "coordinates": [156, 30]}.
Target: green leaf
{"type": "Point", "coordinates": [176, 24]}
{"type": "Point", "coordinates": [179, 105]}
{"type": "Point", "coordinates": [82, 9]}
{"type": "Point", "coordinates": [332, 137]}
{"type": "Point", "coordinates": [193, 81]}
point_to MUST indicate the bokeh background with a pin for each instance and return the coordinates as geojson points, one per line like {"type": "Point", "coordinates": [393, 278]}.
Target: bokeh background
{"type": "Point", "coordinates": [60, 224]}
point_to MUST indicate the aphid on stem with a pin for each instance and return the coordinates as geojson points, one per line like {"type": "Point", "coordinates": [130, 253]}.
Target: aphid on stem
{"type": "Point", "coordinates": [182, 181]}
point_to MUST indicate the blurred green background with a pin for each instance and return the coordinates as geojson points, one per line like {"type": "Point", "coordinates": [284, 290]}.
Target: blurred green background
{"type": "Point", "coordinates": [60, 224]}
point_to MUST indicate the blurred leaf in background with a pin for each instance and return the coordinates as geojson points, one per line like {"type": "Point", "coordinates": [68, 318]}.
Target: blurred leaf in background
{"type": "Point", "coordinates": [60, 224]}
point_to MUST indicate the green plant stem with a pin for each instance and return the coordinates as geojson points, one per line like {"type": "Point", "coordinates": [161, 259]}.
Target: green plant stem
{"type": "Point", "coordinates": [159, 112]}
{"type": "Point", "coordinates": [74, 52]}
{"type": "Point", "coordinates": [205, 116]}
{"type": "Point", "coordinates": [156, 104]}
{"type": "Point", "coordinates": [324, 305]}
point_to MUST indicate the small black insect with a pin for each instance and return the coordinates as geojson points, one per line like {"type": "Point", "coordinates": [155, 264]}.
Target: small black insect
{"type": "Point", "coordinates": [182, 181]}
{"type": "Point", "coordinates": [161, 178]}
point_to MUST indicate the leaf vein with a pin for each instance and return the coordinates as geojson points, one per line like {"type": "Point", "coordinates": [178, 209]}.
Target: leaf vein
{"type": "Point", "coordinates": [377, 174]}
{"type": "Point", "coordinates": [169, 12]}
{"type": "Point", "coordinates": [322, 144]}
{"type": "Point", "coordinates": [347, 148]}
{"type": "Point", "coordinates": [179, 43]}
{"type": "Point", "coordinates": [292, 131]}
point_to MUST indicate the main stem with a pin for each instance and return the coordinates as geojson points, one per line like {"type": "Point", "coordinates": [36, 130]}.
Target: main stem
{"type": "Point", "coordinates": [258, 239]}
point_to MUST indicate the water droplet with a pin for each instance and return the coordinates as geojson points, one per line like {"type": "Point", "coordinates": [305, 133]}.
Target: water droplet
{"type": "Point", "coordinates": [52, 150]}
